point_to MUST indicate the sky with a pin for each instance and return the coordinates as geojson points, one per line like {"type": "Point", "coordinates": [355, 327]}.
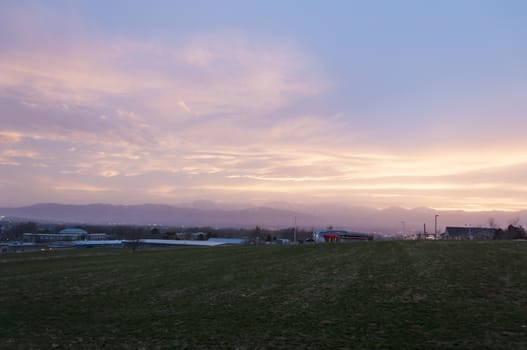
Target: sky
{"type": "Point", "coordinates": [363, 103]}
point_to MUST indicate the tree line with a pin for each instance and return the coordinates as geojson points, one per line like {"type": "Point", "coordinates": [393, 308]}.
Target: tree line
{"type": "Point", "coordinates": [14, 231]}
{"type": "Point", "coordinates": [512, 232]}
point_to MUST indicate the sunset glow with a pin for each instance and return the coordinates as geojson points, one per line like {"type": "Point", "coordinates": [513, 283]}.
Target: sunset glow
{"type": "Point", "coordinates": [389, 104]}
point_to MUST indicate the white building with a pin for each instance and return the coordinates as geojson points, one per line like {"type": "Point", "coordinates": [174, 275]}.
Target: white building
{"type": "Point", "coordinates": [67, 234]}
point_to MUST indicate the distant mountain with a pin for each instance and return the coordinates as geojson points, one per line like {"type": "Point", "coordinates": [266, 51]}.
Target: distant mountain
{"type": "Point", "coordinates": [160, 214]}
{"type": "Point", "coordinates": [203, 213]}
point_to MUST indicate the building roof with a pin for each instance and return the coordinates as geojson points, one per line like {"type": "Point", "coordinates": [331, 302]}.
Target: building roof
{"type": "Point", "coordinates": [72, 230]}
{"type": "Point", "coordinates": [227, 240]}
{"type": "Point", "coordinates": [465, 231]}
{"type": "Point", "coordinates": [342, 234]}
{"type": "Point", "coordinates": [174, 242]}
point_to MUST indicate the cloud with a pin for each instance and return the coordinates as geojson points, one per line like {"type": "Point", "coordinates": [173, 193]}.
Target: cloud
{"type": "Point", "coordinates": [220, 73]}
{"type": "Point", "coordinates": [10, 137]}
{"type": "Point", "coordinates": [183, 105]}
{"type": "Point", "coordinates": [105, 96]}
{"type": "Point", "coordinates": [80, 187]}
{"type": "Point", "coordinates": [226, 115]}
{"type": "Point", "coordinates": [19, 153]}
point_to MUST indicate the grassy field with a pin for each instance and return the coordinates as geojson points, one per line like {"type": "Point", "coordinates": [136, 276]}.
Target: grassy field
{"type": "Point", "coordinates": [385, 295]}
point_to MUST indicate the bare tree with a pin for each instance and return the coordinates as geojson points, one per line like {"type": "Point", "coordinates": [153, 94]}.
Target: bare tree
{"type": "Point", "coordinates": [515, 221]}
{"type": "Point", "coordinates": [492, 223]}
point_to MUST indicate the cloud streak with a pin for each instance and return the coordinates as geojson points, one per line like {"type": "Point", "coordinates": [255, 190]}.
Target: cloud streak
{"type": "Point", "coordinates": [232, 116]}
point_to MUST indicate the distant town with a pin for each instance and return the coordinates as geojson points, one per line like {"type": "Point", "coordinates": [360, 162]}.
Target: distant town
{"type": "Point", "coordinates": [25, 236]}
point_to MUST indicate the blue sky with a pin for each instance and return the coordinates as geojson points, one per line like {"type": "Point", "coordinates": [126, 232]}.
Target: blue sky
{"type": "Point", "coordinates": [377, 103]}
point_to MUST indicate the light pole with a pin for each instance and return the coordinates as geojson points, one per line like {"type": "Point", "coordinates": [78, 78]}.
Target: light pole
{"type": "Point", "coordinates": [294, 232]}
{"type": "Point", "coordinates": [436, 226]}
{"type": "Point", "coordinates": [404, 228]}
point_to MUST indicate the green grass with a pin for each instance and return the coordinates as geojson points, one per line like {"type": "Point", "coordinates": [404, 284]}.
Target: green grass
{"type": "Point", "coordinates": [385, 295]}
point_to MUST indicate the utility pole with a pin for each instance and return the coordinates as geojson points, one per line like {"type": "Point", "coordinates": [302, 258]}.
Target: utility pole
{"type": "Point", "coordinates": [294, 232]}
{"type": "Point", "coordinates": [436, 226]}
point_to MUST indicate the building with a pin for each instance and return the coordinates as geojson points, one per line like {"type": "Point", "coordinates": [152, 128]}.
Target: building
{"type": "Point", "coordinates": [18, 247]}
{"type": "Point", "coordinates": [340, 236]}
{"type": "Point", "coordinates": [65, 235]}
{"type": "Point", "coordinates": [228, 241]}
{"type": "Point", "coordinates": [169, 242]}
{"type": "Point", "coordinates": [469, 233]}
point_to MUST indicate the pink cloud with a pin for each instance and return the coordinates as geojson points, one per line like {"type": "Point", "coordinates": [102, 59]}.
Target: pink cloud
{"type": "Point", "coordinates": [222, 113]}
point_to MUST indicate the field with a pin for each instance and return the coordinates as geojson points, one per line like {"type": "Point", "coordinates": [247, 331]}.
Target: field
{"type": "Point", "coordinates": [385, 295]}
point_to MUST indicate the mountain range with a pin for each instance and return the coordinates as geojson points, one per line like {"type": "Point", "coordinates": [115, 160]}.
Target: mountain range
{"type": "Point", "coordinates": [393, 220]}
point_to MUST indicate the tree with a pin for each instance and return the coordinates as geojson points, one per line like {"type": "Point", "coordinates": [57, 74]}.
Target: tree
{"type": "Point", "coordinates": [512, 232]}
{"type": "Point", "coordinates": [16, 232]}
{"type": "Point", "coordinates": [499, 234]}
{"type": "Point", "coordinates": [492, 223]}
{"type": "Point", "coordinates": [516, 232]}
{"type": "Point", "coordinates": [134, 241]}
{"type": "Point", "coordinates": [210, 235]}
